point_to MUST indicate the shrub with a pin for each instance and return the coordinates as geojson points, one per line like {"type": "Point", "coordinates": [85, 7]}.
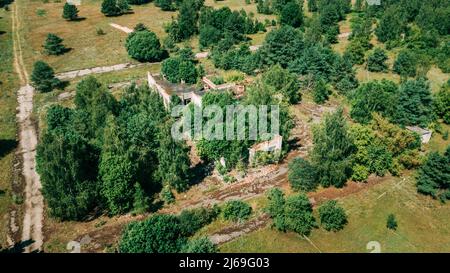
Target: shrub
{"type": "Point", "coordinates": [391, 222]}
{"type": "Point", "coordinates": [43, 77]}
{"type": "Point", "coordinates": [200, 245]}
{"type": "Point", "coordinates": [236, 210]}
{"type": "Point", "coordinates": [144, 46]}
{"type": "Point", "coordinates": [332, 217]}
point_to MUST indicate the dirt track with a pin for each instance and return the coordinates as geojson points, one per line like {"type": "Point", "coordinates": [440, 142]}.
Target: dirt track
{"type": "Point", "coordinates": [33, 203]}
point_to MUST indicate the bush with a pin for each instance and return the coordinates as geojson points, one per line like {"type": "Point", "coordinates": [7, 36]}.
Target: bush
{"type": "Point", "coordinates": [298, 214]}
{"type": "Point", "coordinates": [236, 211]}
{"type": "Point", "coordinates": [391, 222]}
{"type": "Point", "coordinates": [332, 217]}
{"type": "Point", "coordinates": [406, 64]}
{"type": "Point", "coordinates": [43, 77]}
{"type": "Point", "coordinates": [70, 12]}
{"type": "Point", "coordinates": [144, 46]}
{"type": "Point", "coordinates": [360, 173]}
{"type": "Point", "coordinates": [200, 245]}
{"type": "Point", "coordinates": [194, 219]}
{"type": "Point", "coordinates": [376, 62]}
{"type": "Point", "coordinates": [302, 175]}
{"type": "Point", "coordinates": [53, 45]}
{"type": "Point", "coordinates": [157, 234]}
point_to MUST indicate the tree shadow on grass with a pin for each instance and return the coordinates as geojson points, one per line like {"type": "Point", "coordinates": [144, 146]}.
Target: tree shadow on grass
{"type": "Point", "coordinates": [19, 247]}
{"type": "Point", "coordinates": [6, 146]}
{"type": "Point", "coordinates": [2, 32]}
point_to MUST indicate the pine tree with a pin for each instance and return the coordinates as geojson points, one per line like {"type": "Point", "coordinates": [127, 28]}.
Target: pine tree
{"type": "Point", "coordinates": [406, 64]}
{"type": "Point", "coordinates": [391, 222]}
{"type": "Point", "coordinates": [70, 12]}
{"type": "Point", "coordinates": [53, 45]}
{"type": "Point", "coordinates": [376, 62]}
{"type": "Point", "coordinates": [414, 103]}
{"type": "Point", "coordinates": [43, 77]}
{"type": "Point", "coordinates": [320, 92]}
{"type": "Point", "coordinates": [111, 8]}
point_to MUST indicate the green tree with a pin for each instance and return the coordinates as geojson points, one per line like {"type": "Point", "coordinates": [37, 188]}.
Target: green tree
{"type": "Point", "coordinates": [141, 203]}
{"type": "Point", "coordinates": [173, 160]}
{"type": "Point", "coordinates": [67, 165]}
{"type": "Point", "coordinates": [442, 103]}
{"type": "Point", "coordinates": [391, 222]}
{"type": "Point", "coordinates": [332, 150]}
{"type": "Point", "coordinates": [157, 234]}
{"type": "Point", "coordinates": [282, 46]}
{"type": "Point", "coordinates": [200, 245]}
{"type": "Point", "coordinates": [376, 62]}
{"type": "Point", "coordinates": [144, 46]}
{"type": "Point", "coordinates": [275, 208]}
{"type": "Point", "coordinates": [321, 92]}
{"type": "Point", "coordinates": [332, 216]}
{"type": "Point", "coordinates": [298, 214]}
{"type": "Point", "coordinates": [284, 82]}
{"type": "Point", "coordinates": [312, 5]}
{"type": "Point", "coordinates": [114, 7]}
{"type": "Point", "coordinates": [373, 96]}
{"type": "Point", "coordinates": [302, 175]}
{"type": "Point", "coordinates": [116, 170]}
{"type": "Point", "coordinates": [70, 12]}
{"type": "Point", "coordinates": [434, 176]}
{"type": "Point", "coordinates": [406, 64]}
{"type": "Point", "coordinates": [43, 77]}
{"type": "Point", "coordinates": [176, 69]}
{"type": "Point", "coordinates": [414, 103]}
{"type": "Point", "coordinates": [236, 211]}
{"type": "Point", "coordinates": [53, 45]}
{"type": "Point", "coordinates": [392, 24]}
{"type": "Point", "coordinates": [292, 14]}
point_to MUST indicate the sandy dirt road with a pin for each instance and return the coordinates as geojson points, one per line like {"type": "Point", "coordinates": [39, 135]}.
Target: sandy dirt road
{"type": "Point", "coordinates": [33, 202]}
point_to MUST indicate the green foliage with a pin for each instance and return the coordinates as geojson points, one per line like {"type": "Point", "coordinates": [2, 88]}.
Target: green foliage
{"type": "Point", "coordinates": [236, 211]}
{"type": "Point", "coordinates": [392, 24]}
{"type": "Point", "coordinates": [157, 234]}
{"type": "Point", "coordinates": [185, 26]}
{"type": "Point", "coordinates": [67, 165]}
{"type": "Point", "coordinates": [414, 105]}
{"type": "Point", "coordinates": [442, 103]}
{"type": "Point", "coordinates": [167, 195]}
{"type": "Point", "coordinates": [173, 160]}
{"type": "Point", "coordinates": [355, 52]}
{"type": "Point", "coordinates": [321, 92]}
{"type": "Point", "coordinates": [116, 170]}
{"type": "Point", "coordinates": [284, 82]}
{"type": "Point", "coordinates": [200, 245]}
{"type": "Point", "coordinates": [302, 175]}
{"type": "Point", "coordinates": [221, 24]}
{"type": "Point", "coordinates": [373, 96]}
{"type": "Point", "coordinates": [332, 150]}
{"type": "Point", "coordinates": [292, 14]}
{"type": "Point", "coordinates": [312, 5]}
{"type": "Point", "coordinates": [53, 45]}
{"type": "Point", "coordinates": [391, 222]}
{"type": "Point", "coordinates": [281, 46]}
{"type": "Point", "coordinates": [177, 69]}
{"type": "Point", "coordinates": [434, 176]}
{"type": "Point", "coordinates": [70, 12]}
{"type": "Point", "coordinates": [194, 219]}
{"type": "Point", "coordinates": [376, 62]}
{"type": "Point", "coordinates": [114, 7]}
{"type": "Point", "coordinates": [332, 216]}
{"type": "Point", "coordinates": [406, 64]}
{"type": "Point", "coordinates": [141, 203]}
{"type": "Point", "coordinates": [144, 46]}
{"type": "Point", "coordinates": [239, 58]}
{"type": "Point", "coordinates": [166, 5]}
{"type": "Point", "coordinates": [43, 77]}
{"type": "Point", "coordinates": [298, 214]}
{"type": "Point", "coordinates": [291, 214]}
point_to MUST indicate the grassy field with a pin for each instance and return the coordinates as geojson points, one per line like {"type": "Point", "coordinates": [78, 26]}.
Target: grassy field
{"type": "Point", "coordinates": [88, 48]}
{"type": "Point", "coordinates": [423, 225]}
{"type": "Point", "coordinates": [8, 86]}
